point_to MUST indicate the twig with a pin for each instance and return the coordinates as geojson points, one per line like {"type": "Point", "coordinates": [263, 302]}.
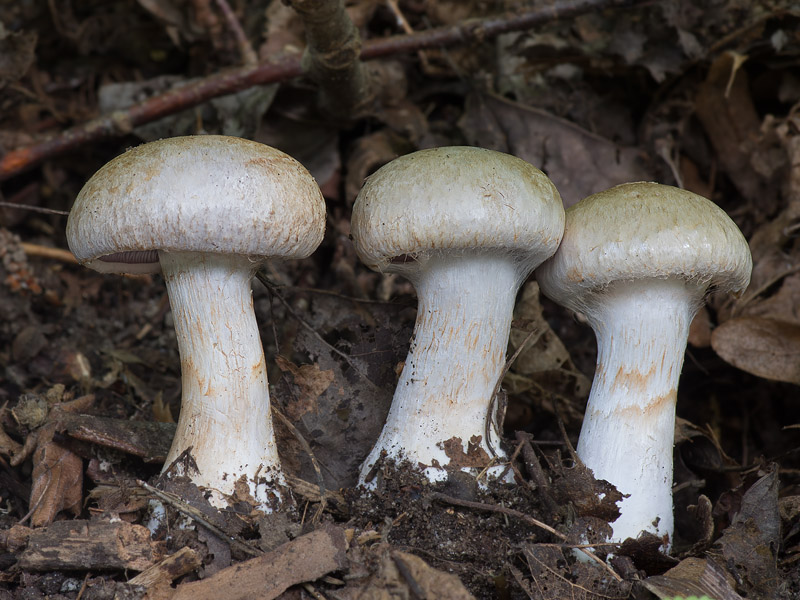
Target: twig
{"type": "Point", "coordinates": [499, 383]}
{"type": "Point", "coordinates": [196, 515]}
{"type": "Point", "coordinates": [535, 470]}
{"type": "Point", "coordinates": [48, 252]}
{"type": "Point", "coordinates": [246, 51]}
{"type": "Point", "coordinates": [498, 509]}
{"type": "Point", "coordinates": [284, 67]}
{"type": "Point", "coordinates": [297, 288]}
{"type": "Point", "coordinates": [39, 209]}
{"type": "Point", "coordinates": [563, 431]}
{"type": "Point", "coordinates": [522, 517]}
{"type": "Point", "coordinates": [406, 27]}
{"type": "Point", "coordinates": [323, 494]}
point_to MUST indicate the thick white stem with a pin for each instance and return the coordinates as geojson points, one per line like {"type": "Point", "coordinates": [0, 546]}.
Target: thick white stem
{"type": "Point", "coordinates": [628, 429]}
{"type": "Point", "coordinates": [457, 354]}
{"type": "Point", "coordinates": [225, 411]}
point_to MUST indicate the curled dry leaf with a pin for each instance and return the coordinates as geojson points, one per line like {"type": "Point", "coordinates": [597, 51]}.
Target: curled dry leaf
{"type": "Point", "coordinates": [765, 347]}
{"type": "Point", "coordinates": [57, 480]}
{"type": "Point", "coordinates": [311, 382]}
{"type": "Point", "coordinates": [57, 471]}
{"type": "Point", "coordinates": [578, 161]}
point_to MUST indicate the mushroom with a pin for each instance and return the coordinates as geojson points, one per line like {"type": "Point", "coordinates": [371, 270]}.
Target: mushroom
{"type": "Point", "coordinates": [206, 211]}
{"type": "Point", "coordinates": [466, 226]}
{"type": "Point", "coordinates": [637, 261]}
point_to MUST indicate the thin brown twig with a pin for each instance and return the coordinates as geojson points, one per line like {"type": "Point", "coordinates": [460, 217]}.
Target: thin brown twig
{"type": "Point", "coordinates": [521, 516]}
{"type": "Point", "coordinates": [39, 209]}
{"type": "Point", "coordinates": [525, 518]}
{"type": "Point", "coordinates": [249, 56]}
{"type": "Point", "coordinates": [48, 252]}
{"type": "Point", "coordinates": [284, 67]}
{"type": "Point", "coordinates": [323, 492]}
{"type": "Point", "coordinates": [191, 512]}
{"type": "Point", "coordinates": [297, 288]}
{"type": "Point", "coordinates": [499, 383]}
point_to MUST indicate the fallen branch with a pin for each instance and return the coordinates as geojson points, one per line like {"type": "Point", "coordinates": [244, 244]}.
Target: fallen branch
{"type": "Point", "coordinates": [283, 68]}
{"type": "Point", "coordinates": [331, 57]}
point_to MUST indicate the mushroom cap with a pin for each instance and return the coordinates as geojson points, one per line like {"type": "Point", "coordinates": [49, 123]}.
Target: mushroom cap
{"type": "Point", "coordinates": [456, 199]}
{"type": "Point", "coordinates": [205, 193]}
{"type": "Point", "coordinates": [644, 230]}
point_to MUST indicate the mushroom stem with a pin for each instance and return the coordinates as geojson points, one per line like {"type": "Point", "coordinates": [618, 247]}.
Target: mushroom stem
{"type": "Point", "coordinates": [628, 429]}
{"type": "Point", "coordinates": [457, 354]}
{"type": "Point", "coordinates": [225, 410]}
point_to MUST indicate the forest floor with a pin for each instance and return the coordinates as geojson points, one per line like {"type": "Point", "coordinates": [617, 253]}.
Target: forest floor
{"type": "Point", "coordinates": [704, 96]}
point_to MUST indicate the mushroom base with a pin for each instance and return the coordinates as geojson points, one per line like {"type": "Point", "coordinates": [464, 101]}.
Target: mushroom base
{"type": "Point", "coordinates": [439, 418]}
{"type": "Point", "coordinates": [628, 429]}
{"type": "Point", "coordinates": [225, 425]}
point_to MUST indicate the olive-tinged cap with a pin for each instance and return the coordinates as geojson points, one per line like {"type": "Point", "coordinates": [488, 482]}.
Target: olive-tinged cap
{"type": "Point", "coordinates": [456, 199]}
{"type": "Point", "coordinates": [195, 194]}
{"type": "Point", "coordinates": [645, 230]}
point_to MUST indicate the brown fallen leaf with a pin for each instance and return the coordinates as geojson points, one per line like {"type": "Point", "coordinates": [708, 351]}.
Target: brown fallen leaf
{"type": "Point", "coordinates": [752, 539]}
{"type": "Point", "coordinates": [8, 446]}
{"type": "Point", "coordinates": [57, 471]}
{"type": "Point", "coordinates": [433, 583]}
{"type": "Point", "coordinates": [310, 380]}
{"type": "Point", "coordinates": [57, 480]}
{"type": "Point", "coordinates": [394, 574]}
{"type": "Point", "coordinates": [578, 161]}
{"type": "Point", "coordinates": [693, 577]}
{"type": "Point", "coordinates": [765, 347]}
{"type": "Point", "coordinates": [725, 108]}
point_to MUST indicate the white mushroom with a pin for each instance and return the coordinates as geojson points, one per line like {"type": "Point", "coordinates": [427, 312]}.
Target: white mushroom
{"type": "Point", "coordinates": [637, 261]}
{"type": "Point", "coordinates": [206, 210]}
{"type": "Point", "coordinates": [466, 226]}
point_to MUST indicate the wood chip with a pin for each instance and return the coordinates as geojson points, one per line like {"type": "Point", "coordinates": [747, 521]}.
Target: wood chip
{"type": "Point", "coordinates": [182, 562]}
{"type": "Point", "coordinates": [95, 545]}
{"type": "Point", "coordinates": [306, 558]}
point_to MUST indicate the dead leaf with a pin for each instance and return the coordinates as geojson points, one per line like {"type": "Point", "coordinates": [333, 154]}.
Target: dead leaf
{"type": "Point", "coordinates": [591, 497]}
{"type": "Point", "coordinates": [394, 575]}
{"type": "Point", "coordinates": [420, 577]}
{"type": "Point", "coordinates": [551, 577]}
{"type": "Point", "coordinates": [57, 480]}
{"type": "Point", "coordinates": [579, 162]}
{"type": "Point", "coordinates": [312, 383]}
{"type": "Point", "coordinates": [764, 347]}
{"type": "Point", "coordinates": [17, 54]}
{"type": "Point", "coordinates": [753, 538]}
{"type": "Point", "coordinates": [57, 471]}
{"type": "Point", "coordinates": [162, 412]}
{"type": "Point", "coordinates": [726, 109]}
{"type": "Point", "coordinates": [693, 577]}
{"type": "Point", "coordinates": [700, 329]}
{"type": "Point", "coordinates": [545, 350]}
{"type": "Point", "coordinates": [8, 446]}
{"type": "Point", "coordinates": [369, 153]}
